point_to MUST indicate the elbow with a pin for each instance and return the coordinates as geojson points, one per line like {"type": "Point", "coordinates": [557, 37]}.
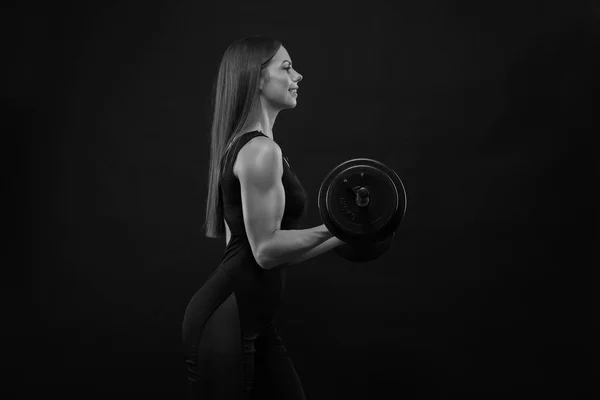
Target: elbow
{"type": "Point", "coordinates": [261, 260]}
{"type": "Point", "coordinates": [263, 257]}
{"type": "Point", "coordinates": [266, 261]}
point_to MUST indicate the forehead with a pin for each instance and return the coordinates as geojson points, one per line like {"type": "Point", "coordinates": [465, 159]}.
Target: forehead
{"type": "Point", "coordinates": [281, 55]}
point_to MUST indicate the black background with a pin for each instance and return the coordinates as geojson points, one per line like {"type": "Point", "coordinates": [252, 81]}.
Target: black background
{"type": "Point", "coordinates": [485, 110]}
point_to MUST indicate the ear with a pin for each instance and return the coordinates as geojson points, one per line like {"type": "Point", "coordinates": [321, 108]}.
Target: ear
{"type": "Point", "coordinates": [264, 78]}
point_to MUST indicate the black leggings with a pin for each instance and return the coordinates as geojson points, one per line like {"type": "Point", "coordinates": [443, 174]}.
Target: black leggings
{"type": "Point", "coordinates": [223, 362]}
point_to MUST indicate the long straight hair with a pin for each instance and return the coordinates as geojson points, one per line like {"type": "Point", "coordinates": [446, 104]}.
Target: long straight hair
{"type": "Point", "coordinates": [235, 107]}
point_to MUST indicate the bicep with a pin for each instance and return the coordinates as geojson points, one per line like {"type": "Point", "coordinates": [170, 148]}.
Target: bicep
{"type": "Point", "coordinates": [263, 196]}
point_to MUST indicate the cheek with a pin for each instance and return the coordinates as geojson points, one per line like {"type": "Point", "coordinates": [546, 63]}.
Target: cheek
{"type": "Point", "coordinates": [278, 85]}
{"type": "Point", "coordinates": [279, 82]}
{"type": "Point", "coordinates": [277, 89]}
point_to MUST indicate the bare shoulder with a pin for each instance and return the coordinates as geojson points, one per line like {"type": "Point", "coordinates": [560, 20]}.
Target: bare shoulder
{"type": "Point", "coordinates": [260, 157]}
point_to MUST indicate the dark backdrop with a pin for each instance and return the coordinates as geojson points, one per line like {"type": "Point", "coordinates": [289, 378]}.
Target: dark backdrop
{"type": "Point", "coordinates": [486, 111]}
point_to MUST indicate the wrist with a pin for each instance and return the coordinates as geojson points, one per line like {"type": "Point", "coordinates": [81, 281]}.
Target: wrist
{"type": "Point", "coordinates": [326, 231]}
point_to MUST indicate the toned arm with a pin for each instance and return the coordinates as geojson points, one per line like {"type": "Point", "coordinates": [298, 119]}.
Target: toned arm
{"type": "Point", "coordinates": [263, 202]}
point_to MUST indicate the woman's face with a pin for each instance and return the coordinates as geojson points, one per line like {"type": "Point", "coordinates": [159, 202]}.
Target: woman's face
{"type": "Point", "coordinates": [279, 81]}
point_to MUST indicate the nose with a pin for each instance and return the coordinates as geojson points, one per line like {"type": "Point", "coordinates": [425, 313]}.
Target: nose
{"type": "Point", "coordinates": [298, 78]}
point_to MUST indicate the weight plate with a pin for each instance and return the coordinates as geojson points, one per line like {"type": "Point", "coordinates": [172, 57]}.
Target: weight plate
{"type": "Point", "coordinates": [344, 209]}
{"type": "Point", "coordinates": [372, 214]}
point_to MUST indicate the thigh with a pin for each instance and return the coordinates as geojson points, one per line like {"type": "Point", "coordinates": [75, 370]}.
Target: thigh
{"type": "Point", "coordinates": [274, 374]}
{"type": "Point", "coordinates": [218, 372]}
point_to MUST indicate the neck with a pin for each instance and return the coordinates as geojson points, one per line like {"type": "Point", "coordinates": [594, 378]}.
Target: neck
{"type": "Point", "coordinates": [266, 120]}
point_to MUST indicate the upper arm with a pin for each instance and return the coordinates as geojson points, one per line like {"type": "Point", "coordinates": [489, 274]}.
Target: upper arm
{"type": "Point", "coordinates": [263, 197]}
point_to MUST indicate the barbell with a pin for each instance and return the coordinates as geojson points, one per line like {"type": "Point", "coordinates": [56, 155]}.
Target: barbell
{"type": "Point", "coordinates": [362, 202]}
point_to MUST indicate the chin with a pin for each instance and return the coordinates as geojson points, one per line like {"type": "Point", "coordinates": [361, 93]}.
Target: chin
{"type": "Point", "coordinates": [287, 106]}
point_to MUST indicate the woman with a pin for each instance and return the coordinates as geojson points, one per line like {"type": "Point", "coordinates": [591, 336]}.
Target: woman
{"type": "Point", "coordinates": [231, 344]}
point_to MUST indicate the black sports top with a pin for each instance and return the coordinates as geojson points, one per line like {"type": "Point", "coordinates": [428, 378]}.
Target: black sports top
{"type": "Point", "coordinates": [259, 292]}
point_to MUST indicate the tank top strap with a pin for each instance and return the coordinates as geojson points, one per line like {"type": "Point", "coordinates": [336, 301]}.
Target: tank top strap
{"type": "Point", "coordinates": [235, 146]}
{"type": "Point", "coordinates": [245, 138]}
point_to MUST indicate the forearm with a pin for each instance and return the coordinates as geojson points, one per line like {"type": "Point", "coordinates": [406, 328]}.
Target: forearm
{"type": "Point", "coordinates": [324, 247]}
{"type": "Point", "coordinates": [289, 245]}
